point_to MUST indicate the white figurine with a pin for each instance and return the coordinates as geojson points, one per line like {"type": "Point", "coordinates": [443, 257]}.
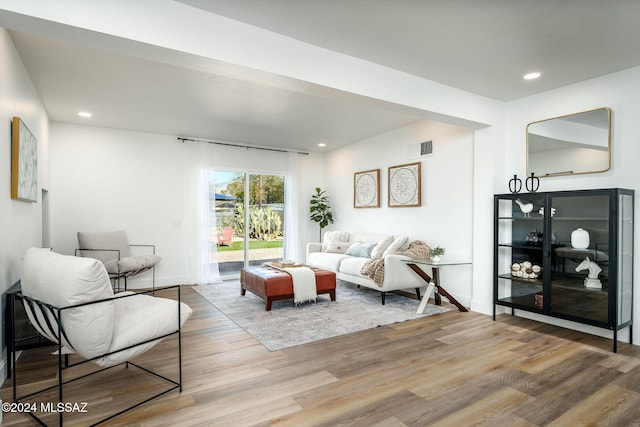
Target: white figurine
{"type": "Point", "coordinates": [592, 280]}
{"type": "Point", "coordinates": [526, 208]}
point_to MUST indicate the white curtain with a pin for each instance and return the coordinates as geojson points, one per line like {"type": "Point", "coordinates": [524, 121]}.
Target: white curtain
{"type": "Point", "coordinates": [291, 220]}
{"type": "Point", "coordinates": [199, 217]}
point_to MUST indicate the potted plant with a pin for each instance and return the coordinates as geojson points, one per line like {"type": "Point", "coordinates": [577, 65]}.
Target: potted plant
{"type": "Point", "coordinates": [320, 210]}
{"type": "Point", "coordinates": [436, 253]}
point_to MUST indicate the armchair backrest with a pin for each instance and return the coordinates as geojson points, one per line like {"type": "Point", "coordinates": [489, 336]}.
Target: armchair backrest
{"type": "Point", "coordinates": [114, 240]}
{"type": "Point", "coordinates": [62, 281]}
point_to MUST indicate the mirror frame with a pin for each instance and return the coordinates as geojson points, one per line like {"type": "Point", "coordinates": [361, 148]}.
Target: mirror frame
{"type": "Point", "coordinates": [570, 173]}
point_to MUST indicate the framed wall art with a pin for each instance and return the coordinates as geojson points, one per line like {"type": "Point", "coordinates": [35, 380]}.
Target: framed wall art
{"type": "Point", "coordinates": [24, 162]}
{"type": "Point", "coordinates": [366, 189]}
{"type": "Point", "coordinates": [405, 185]}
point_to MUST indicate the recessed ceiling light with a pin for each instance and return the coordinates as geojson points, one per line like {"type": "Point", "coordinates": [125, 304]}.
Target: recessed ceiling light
{"type": "Point", "coordinates": [322, 144]}
{"type": "Point", "coordinates": [84, 114]}
{"type": "Point", "coordinates": [531, 76]}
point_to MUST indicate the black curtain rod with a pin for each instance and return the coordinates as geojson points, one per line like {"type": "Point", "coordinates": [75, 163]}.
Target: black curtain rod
{"type": "Point", "coordinates": [228, 144]}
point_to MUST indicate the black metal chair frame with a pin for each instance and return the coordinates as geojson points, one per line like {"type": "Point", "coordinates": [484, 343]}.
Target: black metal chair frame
{"type": "Point", "coordinates": [124, 274]}
{"type": "Point", "coordinates": [56, 330]}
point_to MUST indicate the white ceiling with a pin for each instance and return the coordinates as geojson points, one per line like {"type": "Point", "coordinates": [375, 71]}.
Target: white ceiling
{"type": "Point", "coordinates": [481, 46]}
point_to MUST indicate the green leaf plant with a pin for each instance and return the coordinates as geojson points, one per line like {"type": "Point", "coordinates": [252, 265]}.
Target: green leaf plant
{"type": "Point", "coordinates": [437, 251]}
{"type": "Point", "coordinates": [320, 210]}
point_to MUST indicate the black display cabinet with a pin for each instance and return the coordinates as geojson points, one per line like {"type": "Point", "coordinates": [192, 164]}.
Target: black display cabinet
{"type": "Point", "coordinates": [566, 254]}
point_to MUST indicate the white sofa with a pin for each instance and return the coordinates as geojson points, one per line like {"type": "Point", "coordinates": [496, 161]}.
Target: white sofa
{"type": "Point", "coordinates": [397, 275]}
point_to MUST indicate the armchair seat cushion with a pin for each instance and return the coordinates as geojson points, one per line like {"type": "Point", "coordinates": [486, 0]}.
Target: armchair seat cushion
{"type": "Point", "coordinates": [139, 318]}
{"type": "Point", "coordinates": [132, 263]}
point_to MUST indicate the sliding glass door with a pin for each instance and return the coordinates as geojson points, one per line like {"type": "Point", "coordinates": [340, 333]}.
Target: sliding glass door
{"type": "Point", "coordinates": [266, 218]}
{"type": "Point", "coordinates": [249, 212]}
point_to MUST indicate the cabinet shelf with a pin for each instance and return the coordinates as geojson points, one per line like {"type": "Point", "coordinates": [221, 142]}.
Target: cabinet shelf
{"type": "Point", "coordinates": [554, 218]}
{"type": "Point", "coordinates": [510, 276]}
{"type": "Point", "coordinates": [577, 284]}
{"type": "Point", "coordinates": [523, 218]}
{"type": "Point", "coordinates": [521, 302]}
{"type": "Point", "coordinates": [579, 218]}
{"type": "Point", "coordinates": [520, 245]}
{"type": "Point", "coordinates": [560, 291]}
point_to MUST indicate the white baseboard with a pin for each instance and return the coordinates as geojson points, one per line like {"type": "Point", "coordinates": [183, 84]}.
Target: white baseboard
{"type": "Point", "coordinates": [480, 306]}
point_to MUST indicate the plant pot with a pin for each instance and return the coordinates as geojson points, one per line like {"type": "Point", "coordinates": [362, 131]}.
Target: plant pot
{"type": "Point", "coordinates": [435, 258]}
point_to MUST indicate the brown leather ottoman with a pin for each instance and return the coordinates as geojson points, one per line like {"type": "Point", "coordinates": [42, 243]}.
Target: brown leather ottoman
{"type": "Point", "coordinates": [272, 284]}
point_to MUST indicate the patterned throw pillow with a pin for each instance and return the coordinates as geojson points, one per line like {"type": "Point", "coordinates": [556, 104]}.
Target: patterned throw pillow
{"type": "Point", "coordinates": [337, 247]}
{"type": "Point", "coordinates": [339, 236]}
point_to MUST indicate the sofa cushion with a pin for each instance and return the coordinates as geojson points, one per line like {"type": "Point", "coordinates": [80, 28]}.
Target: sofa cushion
{"type": "Point", "coordinates": [337, 236]}
{"type": "Point", "coordinates": [352, 265]}
{"type": "Point", "coordinates": [361, 249]}
{"type": "Point", "coordinates": [382, 245]}
{"type": "Point", "coordinates": [397, 245]}
{"type": "Point", "coordinates": [337, 247]}
{"type": "Point", "coordinates": [328, 260]}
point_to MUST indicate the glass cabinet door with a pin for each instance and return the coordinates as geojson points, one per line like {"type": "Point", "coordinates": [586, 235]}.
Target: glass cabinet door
{"type": "Point", "coordinates": [580, 253]}
{"type": "Point", "coordinates": [519, 253]}
{"type": "Point", "coordinates": [625, 258]}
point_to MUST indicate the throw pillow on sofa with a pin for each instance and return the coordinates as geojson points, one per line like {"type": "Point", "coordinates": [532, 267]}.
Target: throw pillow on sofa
{"type": "Point", "coordinates": [382, 245]}
{"type": "Point", "coordinates": [361, 249]}
{"type": "Point", "coordinates": [397, 245]}
{"type": "Point", "coordinates": [337, 236]}
{"type": "Point", "coordinates": [337, 247]}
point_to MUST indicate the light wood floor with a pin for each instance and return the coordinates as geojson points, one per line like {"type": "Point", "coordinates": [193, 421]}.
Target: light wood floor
{"type": "Point", "coordinates": [452, 369]}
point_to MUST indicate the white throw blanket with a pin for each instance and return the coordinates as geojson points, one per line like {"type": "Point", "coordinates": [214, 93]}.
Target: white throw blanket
{"type": "Point", "coordinates": [304, 283]}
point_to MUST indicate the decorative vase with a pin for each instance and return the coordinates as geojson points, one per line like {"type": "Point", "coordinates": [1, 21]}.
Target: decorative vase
{"type": "Point", "coordinates": [534, 238]}
{"type": "Point", "coordinates": [435, 258]}
{"type": "Point", "coordinates": [580, 238]}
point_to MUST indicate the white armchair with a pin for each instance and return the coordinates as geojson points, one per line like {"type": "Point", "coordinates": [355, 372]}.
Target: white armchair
{"type": "Point", "coordinates": [112, 248]}
{"type": "Point", "coordinates": [70, 301]}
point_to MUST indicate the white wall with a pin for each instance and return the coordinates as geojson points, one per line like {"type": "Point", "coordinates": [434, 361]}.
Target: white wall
{"type": "Point", "coordinates": [20, 222]}
{"type": "Point", "coordinates": [619, 91]}
{"type": "Point", "coordinates": [108, 179]}
{"type": "Point", "coordinates": [498, 152]}
{"type": "Point", "coordinates": [446, 215]}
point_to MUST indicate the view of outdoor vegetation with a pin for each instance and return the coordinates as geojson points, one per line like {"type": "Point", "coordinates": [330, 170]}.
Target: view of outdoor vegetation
{"type": "Point", "coordinates": [248, 213]}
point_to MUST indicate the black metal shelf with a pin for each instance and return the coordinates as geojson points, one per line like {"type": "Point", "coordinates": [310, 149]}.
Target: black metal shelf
{"type": "Point", "coordinates": [520, 246]}
{"type": "Point", "coordinates": [510, 276]}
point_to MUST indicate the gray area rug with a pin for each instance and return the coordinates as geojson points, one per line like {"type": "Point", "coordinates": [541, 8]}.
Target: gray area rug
{"type": "Point", "coordinates": [287, 325]}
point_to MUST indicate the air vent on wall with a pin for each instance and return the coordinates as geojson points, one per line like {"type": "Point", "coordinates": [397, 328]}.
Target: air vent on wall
{"type": "Point", "coordinates": [426, 148]}
{"type": "Point", "coordinates": [422, 149]}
